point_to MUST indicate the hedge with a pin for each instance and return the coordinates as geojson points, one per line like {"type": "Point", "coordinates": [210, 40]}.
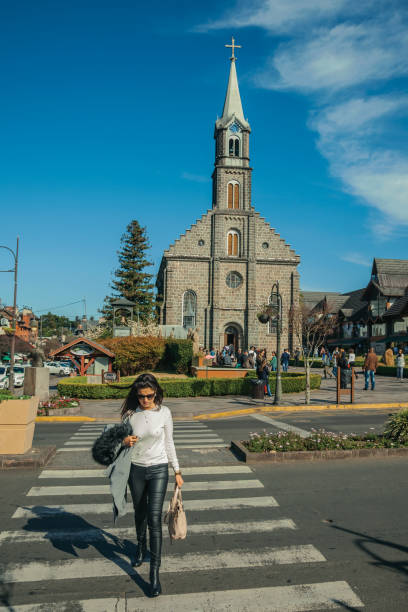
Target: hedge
{"type": "Point", "coordinates": [193, 387]}
{"type": "Point", "coordinates": [178, 355]}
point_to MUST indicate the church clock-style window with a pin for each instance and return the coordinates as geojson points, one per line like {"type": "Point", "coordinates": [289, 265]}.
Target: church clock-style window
{"type": "Point", "coordinates": [233, 243]}
{"type": "Point", "coordinates": [233, 195]}
{"type": "Point", "coordinates": [233, 280]}
{"type": "Point", "coordinates": [189, 309]}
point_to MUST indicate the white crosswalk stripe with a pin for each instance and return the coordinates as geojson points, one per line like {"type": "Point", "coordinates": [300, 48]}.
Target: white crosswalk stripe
{"type": "Point", "coordinates": [298, 598]}
{"type": "Point", "coordinates": [85, 568]}
{"type": "Point", "coordinates": [90, 535]}
{"type": "Point", "coordinates": [190, 505]}
{"type": "Point", "coordinates": [209, 485]}
{"type": "Point", "coordinates": [187, 435]}
{"type": "Point", "coordinates": [187, 471]}
{"type": "Point", "coordinates": [225, 502]}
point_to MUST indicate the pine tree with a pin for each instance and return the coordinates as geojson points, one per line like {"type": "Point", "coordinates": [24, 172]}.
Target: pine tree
{"type": "Point", "coordinates": [130, 280]}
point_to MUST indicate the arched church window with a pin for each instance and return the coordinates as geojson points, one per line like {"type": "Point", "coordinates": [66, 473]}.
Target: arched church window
{"type": "Point", "coordinates": [233, 147]}
{"type": "Point", "coordinates": [189, 309]}
{"type": "Point", "coordinates": [236, 148]}
{"type": "Point", "coordinates": [233, 243]}
{"type": "Point", "coordinates": [233, 195]}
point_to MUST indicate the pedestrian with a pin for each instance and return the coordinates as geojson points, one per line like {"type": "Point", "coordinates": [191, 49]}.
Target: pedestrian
{"type": "Point", "coordinates": [152, 448]}
{"type": "Point", "coordinates": [274, 362]}
{"type": "Point", "coordinates": [351, 360]}
{"type": "Point", "coordinates": [342, 363]}
{"type": "Point", "coordinates": [245, 361]}
{"type": "Point", "coordinates": [389, 357]}
{"type": "Point", "coordinates": [334, 361]}
{"type": "Point", "coordinates": [400, 364]}
{"type": "Point", "coordinates": [326, 366]}
{"type": "Point", "coordinates": [263, 374]}
{"type": "Point", "coordinates": [239, 358]}
{"type": "Point", "coordinates": [370, 368]}
{"type": "Point", "coordinates": [285, 360]}
{"type": "Point", "coordinates": [297, 356]}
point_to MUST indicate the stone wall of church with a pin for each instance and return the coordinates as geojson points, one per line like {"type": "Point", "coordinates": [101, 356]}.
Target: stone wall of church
{"type": "Point", "coordinates": [223, 177]}
{"type": "Point", "coordinates": [189, 245]}
{"type": "Point", "coordinates": [183, 275]}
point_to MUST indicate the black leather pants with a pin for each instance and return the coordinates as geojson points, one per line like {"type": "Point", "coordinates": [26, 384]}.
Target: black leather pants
{"type": "Point", "coordinates": [148, 486]}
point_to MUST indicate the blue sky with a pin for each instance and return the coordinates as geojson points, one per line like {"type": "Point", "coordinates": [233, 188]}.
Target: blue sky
{"type": "Point", "coordinates": [108, 114]}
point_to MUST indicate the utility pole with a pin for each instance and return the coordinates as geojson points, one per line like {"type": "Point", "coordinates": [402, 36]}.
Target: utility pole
{"type": "Point", "coordinates": [13, 338]}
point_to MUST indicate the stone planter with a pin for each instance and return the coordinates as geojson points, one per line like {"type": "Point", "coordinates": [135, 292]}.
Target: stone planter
{"type": "Point", "coordinates": [17, 422]}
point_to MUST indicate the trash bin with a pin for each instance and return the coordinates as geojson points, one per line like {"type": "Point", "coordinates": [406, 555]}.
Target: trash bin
{"type": "Point", "coordinates": [258, 391]}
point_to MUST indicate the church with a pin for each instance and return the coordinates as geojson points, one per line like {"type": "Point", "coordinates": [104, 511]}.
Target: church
{"type": "Point", "coordinates": [217, 276]}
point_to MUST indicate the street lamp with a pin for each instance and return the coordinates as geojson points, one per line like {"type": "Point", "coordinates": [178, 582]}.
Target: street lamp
{"type": "Point", "coordinates": [273, 313]}
{"type": "Point", "coordinates": [13, 338]}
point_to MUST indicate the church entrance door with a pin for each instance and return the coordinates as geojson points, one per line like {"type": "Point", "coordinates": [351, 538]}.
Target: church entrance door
{"type": "Point", "coordinates": [231, 337]}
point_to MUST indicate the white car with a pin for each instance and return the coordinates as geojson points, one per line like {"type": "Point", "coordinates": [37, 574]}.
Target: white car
{"type": "Point", "coordinates": [55, 367]}
{"type": "Point", "coordinates": [5, 376]}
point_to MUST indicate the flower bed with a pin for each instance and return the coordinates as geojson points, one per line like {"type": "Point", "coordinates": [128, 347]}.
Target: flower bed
{"type": "Point", "coordinates": [59, 406]}
{"type": "Point", "coordinates": [319, 440]}
{"type": "Point", "coordinates": [322, 444]}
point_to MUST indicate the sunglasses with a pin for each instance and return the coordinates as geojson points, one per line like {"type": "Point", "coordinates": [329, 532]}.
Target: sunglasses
{"type": "Point", "coordinates": [148, 396]}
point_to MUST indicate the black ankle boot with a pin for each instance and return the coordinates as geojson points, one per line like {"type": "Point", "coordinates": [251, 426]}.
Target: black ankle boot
{"type": "Point", "coordinates": [155, 586]}
{"type": "Point", "coordinates": [140, 554]}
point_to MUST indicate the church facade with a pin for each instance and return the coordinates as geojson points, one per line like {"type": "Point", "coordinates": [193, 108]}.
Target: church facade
{"type": "Point", "coordinates": [217, 275]}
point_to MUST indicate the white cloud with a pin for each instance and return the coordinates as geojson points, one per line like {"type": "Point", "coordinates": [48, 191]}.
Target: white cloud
{"type": "Point", "coordinates": [196, 178]}
{"type": "Point", "coordinates": [339, 52]}
{"type": "Point", "coordinates": [345, 55]}
{"type": "Point", "coordinates": [357, 258]}
{"type": "Point", "coordinates": [279, 16]}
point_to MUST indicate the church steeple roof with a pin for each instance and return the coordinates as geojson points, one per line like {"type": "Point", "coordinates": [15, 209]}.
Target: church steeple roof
{"type": "Point", "coordinates": [232, 105]}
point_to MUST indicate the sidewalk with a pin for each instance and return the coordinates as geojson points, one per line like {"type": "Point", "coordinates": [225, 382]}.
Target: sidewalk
{"type": "Point", "coordinates": [387, 391]}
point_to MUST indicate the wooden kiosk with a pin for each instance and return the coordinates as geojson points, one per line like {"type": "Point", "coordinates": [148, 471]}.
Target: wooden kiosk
{"type": "Point", "coordinates": [88, 356]}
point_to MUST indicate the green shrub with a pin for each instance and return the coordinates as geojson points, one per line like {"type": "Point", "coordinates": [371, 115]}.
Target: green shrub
{"type": "Point", "coordinates": [192, 387]}
{"type": "Point", "coordinates": [134, 353]}
{"type": "Point", "coordinates": [396, 428]}
{"type": "Point", "coordinates": [178, 355]}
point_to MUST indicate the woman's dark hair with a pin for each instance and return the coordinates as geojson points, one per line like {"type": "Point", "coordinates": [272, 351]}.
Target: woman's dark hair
{"type": "Point", "coordinates": [132, 401]}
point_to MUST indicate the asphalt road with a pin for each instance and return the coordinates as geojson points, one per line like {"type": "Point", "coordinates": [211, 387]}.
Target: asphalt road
{"type": "Point", "coordinates": [345, 520]}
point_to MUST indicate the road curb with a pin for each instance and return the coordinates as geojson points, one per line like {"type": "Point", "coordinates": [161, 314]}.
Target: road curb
{"type": "Point", "coordinates": [328, 455]}
{"type": "Point", "coordinates": [302, 408]}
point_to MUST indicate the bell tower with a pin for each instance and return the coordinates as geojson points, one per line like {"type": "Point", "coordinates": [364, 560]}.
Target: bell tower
{"type": "Point", "coordinates": [232, 174]}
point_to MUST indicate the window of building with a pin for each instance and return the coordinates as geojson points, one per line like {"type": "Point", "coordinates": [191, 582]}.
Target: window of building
{"type": "Point", "coordinates": [378, 329]}
{"type": "Point", "coordinates": [233, 280]}
{"type": "Point", "coordinates": [233, 243]}
{"type": "Point", "coordinates": [233, 147]}
{"type": "Point", "coordinates": [400, 326]}
{"type": "Point", "coordinates": [233, 194]}
{"type": "Point", "coordinates": [189, 309]}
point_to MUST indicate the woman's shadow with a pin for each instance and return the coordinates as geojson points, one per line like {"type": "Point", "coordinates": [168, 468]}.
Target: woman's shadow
{"type": "Point", "coordinates": [75, 533]}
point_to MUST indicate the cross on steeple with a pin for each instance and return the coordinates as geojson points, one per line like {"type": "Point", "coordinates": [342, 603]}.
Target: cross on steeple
{"type": "Point", "coordinates": [233, 46]}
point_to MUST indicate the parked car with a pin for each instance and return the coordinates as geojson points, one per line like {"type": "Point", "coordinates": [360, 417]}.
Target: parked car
{"type": "Point", "coordinates": [56, 367]}
{"type": "Point", "coordinates": [5, 376]}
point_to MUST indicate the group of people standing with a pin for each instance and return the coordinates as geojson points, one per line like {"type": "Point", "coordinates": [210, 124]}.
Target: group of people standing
{"type": "Point", "coordinates": [339, 359]}
{"type": "Point", "coordinates": [248, 359]}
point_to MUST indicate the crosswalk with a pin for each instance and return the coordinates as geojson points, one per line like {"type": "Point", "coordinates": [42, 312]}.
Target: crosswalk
{"type": "Point", "coordinates": [64, 554]}
{"type": "Point", "coordinates": [187, 435]}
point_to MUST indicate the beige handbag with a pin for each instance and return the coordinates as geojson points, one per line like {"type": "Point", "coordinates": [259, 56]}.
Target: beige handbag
{"type": "Point", "coordinates": [175, 517]}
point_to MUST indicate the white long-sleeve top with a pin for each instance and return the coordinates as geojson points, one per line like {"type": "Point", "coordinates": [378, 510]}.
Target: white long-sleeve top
{"type": "Point", "coordinates": [154, 429]}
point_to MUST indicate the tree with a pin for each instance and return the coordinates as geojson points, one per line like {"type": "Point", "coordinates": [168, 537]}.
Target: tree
{"type": "Point", "coordinates": [311, 327]}
{"type": "Point", "coordinates": [130, 279]}
{"type": "Point", "coordinates": [52, 324]}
